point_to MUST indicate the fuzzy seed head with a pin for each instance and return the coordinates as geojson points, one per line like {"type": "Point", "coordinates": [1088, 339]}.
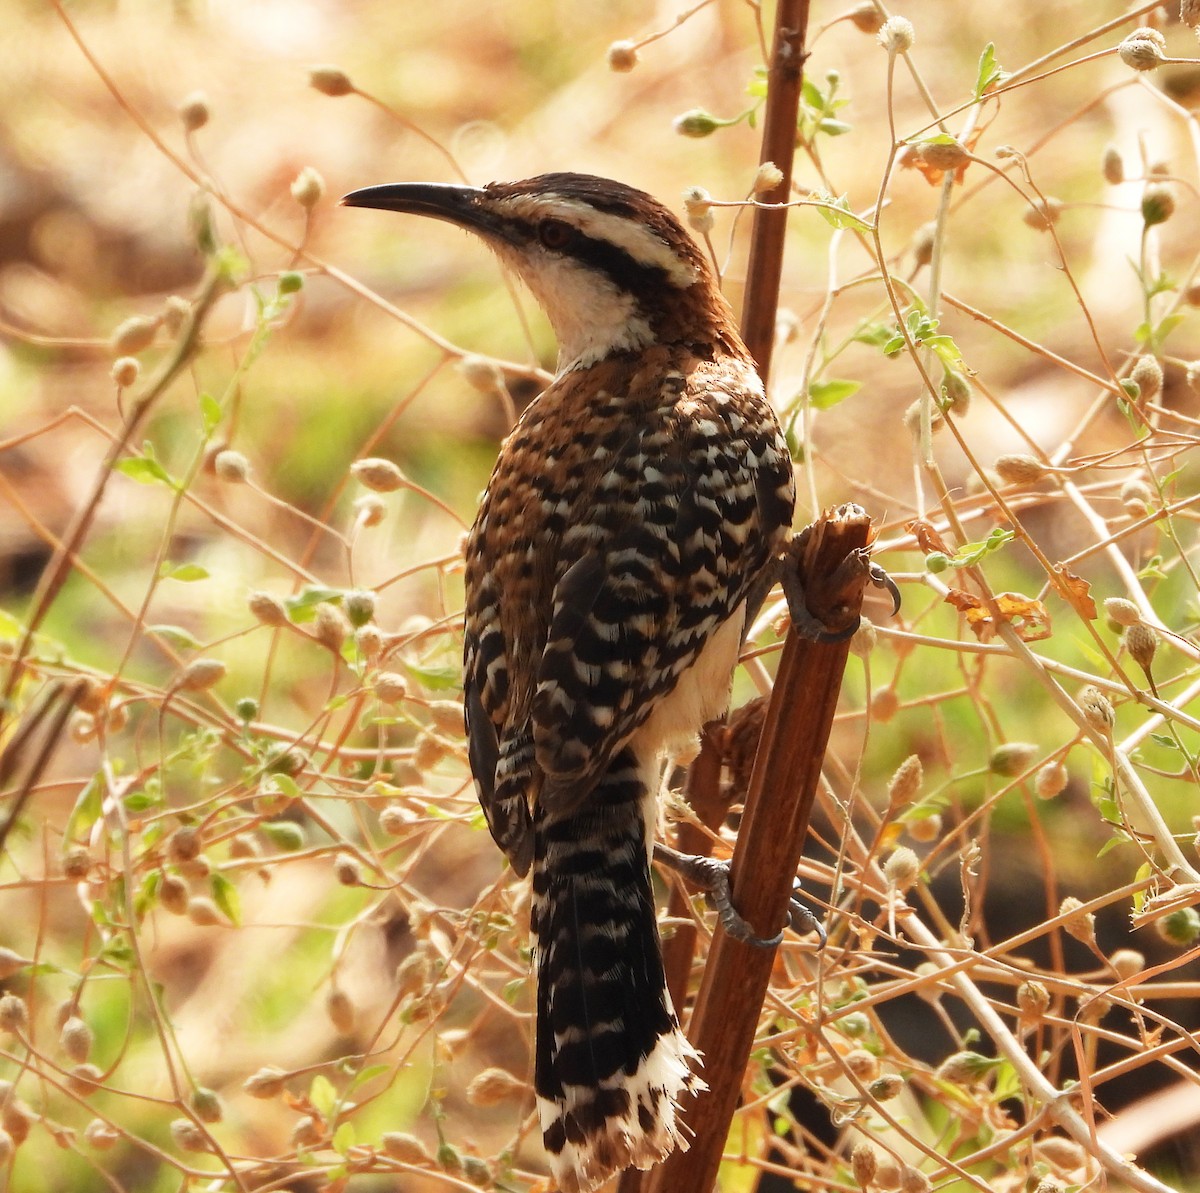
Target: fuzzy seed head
{"type": "Point", "coordinates": [863, 1163]}
{"type": "Point", "coordinates": [330, 627]}
{"type": "Point", "coordinates": [923, 241]}
{"type": "Point", "coordinates": [769, 176]}
{"type": "Point", "coordinates": [232, 467]}
{"type": "Point", "coordinates": [330, 80]}
{"type": "Point", "coordinates": [1042, 214]}
{"type": "Point", "coordinates": [695, 123]}
{"type": "Point", "coordinates": [864, 639]}
{"type": "Point", "coordinates": [246, 708]}
{"type": "Point", "coordinates": [75, 1039]}
{"type": "Point", "coordinates": [194, 112]}
{"type": "Point", "coordinates": [1051, 780]}
{"type": "Point", "coordinates": [1127, 963]}
{"type": "Point", "coordinates": [308, 188]}
{"type": "Point", "coordinates": [184, 844]}
{"type": "Point", "coordinates": [125, 371]}
{"type": "Point", "coordinates": [494, 1086]}
{"type": "Point", "coordinates": [697, 202]}
{"type": "Point", "coordinates": [902, 868]}
{"type": "Point", "coordinates": [175, 310]}
{"type": "Point", "coordinates": [1121, 611]}
{"type": "Point", "coordinates": [1033, 999]}
{"type": "Point", "coordinates": [1136, 496]}
{"type": "Point", "coordinates": [906, 782]}
{"type": "Point", "coordinates": [1113, 166]}
{"type": "Point", "coordinates": [408, 1149]}
{"type": "Point", "coordinates": [267, 609]}
{"type": "Point", "coordinates": [173, 894]}
{"type": "Point", "coordinates": [84, 1079]}
{"type": "Point", "coordinates": [964, 1068]}
{"type": "Point", "coordinates": [1012, 758]}
{"type": "Point", "coordinates": [267, 1082]}
{"type": "Point", "coordinates": [926, 829]}
{"type": "Point", "coordinates": [187, 1136]}
{"type": "Point", "coordinates": [1158, 204]}
{"type": "Point", "coordinates": [896, 35]}
{"type": "Point", "coordinates": [1078, 923]}
{"type": "Point", "coordinates": [134, 334]}
{"type": "Point", "coordinates": [391, 687]}
{"type": "Point", "coordinates": [369, 640]}
{"type": "Point", "coordinates": [1141, 642]}
{"type": "Point", "coordinates": [340, 1010]}
{"type": "Point", "coordinates": [378, 475]}
{"type": "Point", "coordinates": [1143, 49]}
{"type": "Point", "coordinates": [413, 974]}
{"type": "Point", "coordinates": [884, 704]}
{"type": "Point", "coordinates": [201, 674]}
{"type": "Point", "coordinates": [347, 870]}
{"type": "Point", "coordinates": [1180, 928]}
{"type": "Point", "coordinates": [395, 820]}
{"type": "Point", "coordinates": [76, 863]}
{"type": "Point", "coordinates": [100, 1136]}
{"type": "Point", "coordinates": [886, 1087]}
{"type": "Point", "coordinates": [1147, 374]}
{"type": "Point", "coordinates": [1019, 469]}
{"type": "Point", "coordinates": [14, 1014]}
{"type": "Point", "coordinates": [203, 912]}
{"type": "Point", "coordinates": [1189, 13]}
{"type": "Point", "coordinates": [866, 18]}
{"type": "Point", "coordinates": [482, 373]}
{"type": "Point", "coordinates": [913, 1180]}
{"type": "Point", "coordinates": [206, 1105]}
{"type": "Point", "coordinates": [1097, 709]}
{"type": "Point", "coordinates": [622, 56]}
{"type": "Point", "coordinates": [943, 155]}
{"type": "Point", "coordinates": [359, 606]}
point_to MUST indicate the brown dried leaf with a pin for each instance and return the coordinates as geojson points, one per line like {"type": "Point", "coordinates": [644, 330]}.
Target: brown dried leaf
{"type": "Point", "coordinates": [928, 539]}
{"type": "Point", "coordinates": [1076, 590]}
{"type": "Point", "coordinates": [1028, 616]}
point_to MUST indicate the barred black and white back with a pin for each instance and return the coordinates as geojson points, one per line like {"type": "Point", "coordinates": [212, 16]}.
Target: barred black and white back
{"type": "Point", "coordinates": [633, 509]}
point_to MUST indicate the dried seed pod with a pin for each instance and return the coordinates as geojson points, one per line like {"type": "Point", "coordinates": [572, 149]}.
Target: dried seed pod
{"type": "Point", "coordinates": [379, 475]}
{"type": "Point", "coordinates": [75, 1039]}
{"type": "Point", "coordinates": [1121, 611]}
{"type": "Point", "coordinates": [307, 188]}
{"type": "Point", "coordinates": [267, 1082]}
{"type": "Point", "coordinates": [906, 782]}
{"type": "Point", "coordinates": [866, 17]}
{"type": "Point", "coordinates": [902, 868]}
{"type": "Point", "coordinates": [622, 56]}
{"type": "Point", "coordinates": [14, 1014]}
{"type": "Point", "coordinates": [330, 80]}
{"type": "Point", "coordinates": [99, 1135]}
{"type": "Point", "coordinates": [896, 35]}
{"type": "Point", "coordinates": [187, 1136]}
{"type": "Point", "coordinates": [493, 1086]}
{"type": "Point", "coordinates": [1012, 758]}
{"type": "Point", "coordinates": [207, 1105]}
{"type": "Point", "coordinates": [1079, 924]}
{"type": "Point", "coordinates": [1051, 780]}
{"type": "Point", "coordinates": [201, 674]}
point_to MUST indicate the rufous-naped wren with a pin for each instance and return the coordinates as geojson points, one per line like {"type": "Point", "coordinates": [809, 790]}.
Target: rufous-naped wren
{"type": "Point", "coordinates": [633, 515]}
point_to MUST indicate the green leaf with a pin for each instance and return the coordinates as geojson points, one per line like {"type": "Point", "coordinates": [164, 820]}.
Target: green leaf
{"type": "Point", "coordinates": [86, 811]}
{"type": "Point", "coordinates": [874, 334]}
{"type": "Point", "coordinates": [344, 1138]}
{"type": "Point", "coordinates": [176, 635]}
{"type": "Point", "coordinates": [10, 627]}
{"type": "Point", "coordinates": [834, 128]}
{"type": "Point", "coordinates": [285, 835]}
{"type": "Point", "coordinates": [225, 896]}
{"type": "Point", "coordinates": [837, 213]}
{"type": "Point", "coordinates": [989, 70]}
{"type": "Point", "coordinates": [322, 1094]}
{"type": "Point", "coordinates": [824, 394]}
{"type": "Point", "coordinates": [302, 607]}
{"type": "Point", "coordinates": [146, 471]}
{"type": "Point", "coordinates": [369, 1074]}
{"type": "Point", "coordinates": [185, 572]}
{"type": "Point", "coordinates": [435, 678]}
{"type": "Point", "coordinates": [210, 412]}
{"type": "Point", "coordinates": [141, 801]}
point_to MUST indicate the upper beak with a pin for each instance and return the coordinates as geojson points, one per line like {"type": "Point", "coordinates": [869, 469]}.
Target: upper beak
{"type": "Point", "coordinates": [443, 201]}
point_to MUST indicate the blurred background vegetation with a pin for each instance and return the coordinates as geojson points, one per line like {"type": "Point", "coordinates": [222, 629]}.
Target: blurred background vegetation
{"type": "Point", "coordinates": [253, 932]}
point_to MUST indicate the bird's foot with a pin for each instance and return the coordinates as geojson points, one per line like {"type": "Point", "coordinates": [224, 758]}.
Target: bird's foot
{"type": "Point", "coordinates": [712, 877]}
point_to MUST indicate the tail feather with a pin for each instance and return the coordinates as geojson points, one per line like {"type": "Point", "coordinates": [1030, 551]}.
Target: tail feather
{"type": "Point", "coordinates": [611, 1061]}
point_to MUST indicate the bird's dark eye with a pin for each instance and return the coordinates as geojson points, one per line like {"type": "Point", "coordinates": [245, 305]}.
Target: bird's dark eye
{"type": "Point", "coordinates": [554, 234]}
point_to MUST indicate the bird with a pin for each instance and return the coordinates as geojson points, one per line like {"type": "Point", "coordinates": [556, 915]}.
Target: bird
{"type": "Point", "coordinates": [631, 525]}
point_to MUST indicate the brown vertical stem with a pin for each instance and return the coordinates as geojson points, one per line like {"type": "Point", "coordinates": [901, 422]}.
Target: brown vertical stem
{"type": "Point", "coordinates": [783, 787]}
{"type": "Point", "coordinates": [785, 76]}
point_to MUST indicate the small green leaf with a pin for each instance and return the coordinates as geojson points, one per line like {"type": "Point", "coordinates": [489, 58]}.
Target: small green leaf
{"type": "Point", "coordinates": [86, 811]}
{"type": "Point", "coordinates": [1167, 743]}
{"type": "Point", "coordinates": [185, 572]}
{"type": "Point", "coordinates": [225, 896]}
{"type": "Point", "coordinates": [824, 394]}
{"type": "Point", "coordinates": [10, 627]}
{"type": "Point", "coordinates": [176, 635]}
{"type": "Point", "coordinates": [435, 678]}
{"type": "Point", "coordinates": [322, 1094]}
{"type": "Point", "coordinates": [285, 835]}
{"type": "Point", "coordinates": [344, 1138]}
{"type": "Point", "coordinates": [369, 1074]}
{"type": "Point", "coordinates": [302, 607]}
{"type": "Point", "coordinates": [210, 412]}
{"type": "Point", "coordinates": [834, 128]}
{"type": "Point", "coordinates": [837, 213]}
{"type": "Point", "coordinates": [874, 334]}
{"type": "Point", "coordinates": [145, 471]}
{"type": "Point", "coordinates": [989, 70]}
{"type": "Point", "coordinates": [141, 801]}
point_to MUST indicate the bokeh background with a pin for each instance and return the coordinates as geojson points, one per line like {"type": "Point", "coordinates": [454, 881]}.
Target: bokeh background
{"type": "Point", "coordinates": [253, 848]}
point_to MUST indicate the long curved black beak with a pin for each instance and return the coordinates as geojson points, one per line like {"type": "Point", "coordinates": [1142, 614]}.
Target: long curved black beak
{"type": "Point", "coordinates": [460, 205]}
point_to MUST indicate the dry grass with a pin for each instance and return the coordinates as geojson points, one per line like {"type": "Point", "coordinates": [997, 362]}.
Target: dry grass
{"type": "Point", "coordinates": [239, 833]}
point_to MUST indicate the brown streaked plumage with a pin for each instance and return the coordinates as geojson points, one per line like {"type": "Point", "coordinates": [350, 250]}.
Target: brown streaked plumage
{"type": "Point", "coordinates": [634, 509]}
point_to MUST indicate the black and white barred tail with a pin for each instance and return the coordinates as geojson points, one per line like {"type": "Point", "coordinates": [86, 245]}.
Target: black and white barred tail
{"type": "Point", "coordinates": [611, 1060]}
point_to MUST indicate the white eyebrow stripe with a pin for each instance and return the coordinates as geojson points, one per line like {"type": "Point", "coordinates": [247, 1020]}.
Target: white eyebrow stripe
{"type": "Point", "coordinates": [634, 238]}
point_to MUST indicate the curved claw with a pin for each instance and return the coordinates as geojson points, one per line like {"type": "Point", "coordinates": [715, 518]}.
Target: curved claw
{"type": "Point", "coordinates": [881, 579]}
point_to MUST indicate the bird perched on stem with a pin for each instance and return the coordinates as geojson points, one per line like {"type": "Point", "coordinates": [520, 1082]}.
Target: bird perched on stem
{"type": "Point", "coordinates": [633, 518]}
